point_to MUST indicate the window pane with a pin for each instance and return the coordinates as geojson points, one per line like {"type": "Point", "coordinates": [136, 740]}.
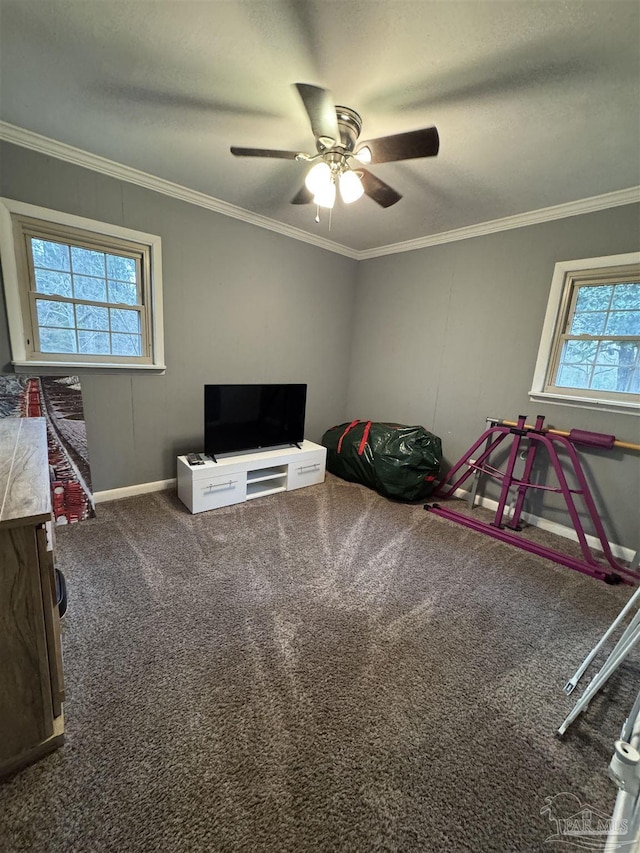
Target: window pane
{"type": "Point", "coordinates": [573, 376]}
{"type": "Point", "coordinates": [628, 377]}
{"type": "Point", "coordinates": [126, 344]}
{"type": "Point", "coordinates": [122, 269]}
{"type": "Point", "coordinates": [57, 340]}
{"type": "Point", "coordinates": [53, 256]}
{"type": "Point", "coordinates": [55, 313]}
{"type": "Point", "coordinates": [94, 343]}
{"type": "Point", "coordinates": [90, 288]}
{"type": "Point", "coordinates": [588, 324]}
{"type": "Point", "coordinates": [605, 379]}
{"type": "Point", "coordinates": [591, 298]}
{"type": "Point", "coordinates": [609, 352]}
{"type": "Point", "coordinates": [87, 262]}
{"type": "Point", "coordinates": [125, 321]}
{"type": "Point", "coordinates": [579, 352]}
{"type": "Point", "coordinates": [122, 292]}
{"type": "Point", "coordinates": [92, 317]}
{"type": "Point", "coordinates": [626, 296]}
{"type": "Point", "coordinates": [621, 358]}
{"type": "Point", "coordinates": [53, 282]}
{"type": "Point", "coordinates": [623, 323]}
{"type": "Point", "coordinates": [617, 366]}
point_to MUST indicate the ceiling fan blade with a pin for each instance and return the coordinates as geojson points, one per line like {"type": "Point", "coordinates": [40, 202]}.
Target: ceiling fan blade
{"type": "Point", "coordinates": [264, 152]}
{"type": "Point", "coordinates": [403, 146]}
{"type": "Point", "coordinates": [303, 196]}
{"type": "Point", "coordinates": [376, 189]}
{"type": "Point", "coordinates": [322, 113]}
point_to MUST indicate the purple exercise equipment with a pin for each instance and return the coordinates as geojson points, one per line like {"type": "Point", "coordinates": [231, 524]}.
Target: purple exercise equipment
{"type": "Point", "coordinates": [536, 436]}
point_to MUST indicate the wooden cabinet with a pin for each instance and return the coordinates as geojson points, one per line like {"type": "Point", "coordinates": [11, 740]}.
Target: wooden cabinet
{"type": "Point", "coordinates": [31, 683]}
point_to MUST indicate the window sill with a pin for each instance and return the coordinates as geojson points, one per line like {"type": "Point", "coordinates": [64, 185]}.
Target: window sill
{"type": "Point", "coordinates": [585, 403]}
{"type": "Point", "coordinates": [75, 367]}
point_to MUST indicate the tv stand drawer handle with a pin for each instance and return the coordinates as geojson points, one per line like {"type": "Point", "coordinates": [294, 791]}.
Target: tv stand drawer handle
{"type": "Point", "coordinates": [221, 485]}
{"type": "Point", "coordinates": [313, 466]}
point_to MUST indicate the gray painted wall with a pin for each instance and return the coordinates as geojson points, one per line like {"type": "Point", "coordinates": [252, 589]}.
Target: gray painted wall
{"type": "Point", "coordinates": [447, 336]}
{"type": "Point", "coordinates": [444, 336]}
{"type": "Point", "coordinates": [241, 304]}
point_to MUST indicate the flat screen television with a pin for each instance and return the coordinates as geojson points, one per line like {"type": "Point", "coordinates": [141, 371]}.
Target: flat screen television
{"type": "Point", "coordinates": [250, 417]}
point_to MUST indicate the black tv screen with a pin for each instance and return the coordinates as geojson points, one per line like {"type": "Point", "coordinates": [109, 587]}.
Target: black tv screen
{"type": "Point", "coordinates": [247, 417]}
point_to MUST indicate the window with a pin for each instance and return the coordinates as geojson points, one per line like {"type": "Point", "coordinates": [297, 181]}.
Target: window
{"type": "Point", "coordinates": [590, 348]}
{"type": "Point", "coordinates": [80, 293]}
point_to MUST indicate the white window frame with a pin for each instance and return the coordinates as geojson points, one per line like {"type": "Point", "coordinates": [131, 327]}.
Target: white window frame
{"type": "Point", "coordinates": [565, 272]}
{"type": "Point", "coordinates": [17, 287]}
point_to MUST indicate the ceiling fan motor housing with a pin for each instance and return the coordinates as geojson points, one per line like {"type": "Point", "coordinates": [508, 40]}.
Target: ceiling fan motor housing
{"type": "Point", "coordinates": [349, 125]}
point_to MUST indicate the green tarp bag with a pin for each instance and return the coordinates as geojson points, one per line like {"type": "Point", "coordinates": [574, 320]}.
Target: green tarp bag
{"type": "Point", "coordinates": [401, 462]}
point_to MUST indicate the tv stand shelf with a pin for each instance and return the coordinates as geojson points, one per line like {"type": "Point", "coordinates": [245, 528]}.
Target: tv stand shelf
{"type": "Point", "coordinates": [266, 474]}
{"type": "Point", "coordinates": [266, 481]}
{"type": "Point", "coordinates": [238, 477]}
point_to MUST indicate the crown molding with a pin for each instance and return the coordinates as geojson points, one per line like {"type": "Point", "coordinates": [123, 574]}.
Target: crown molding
{"type": "Point", "coordinates": [520, 220]}
{"type": "Point", "coordinates": [61, 151]}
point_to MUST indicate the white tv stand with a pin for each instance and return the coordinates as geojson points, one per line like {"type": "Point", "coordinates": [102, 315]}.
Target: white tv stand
{"type": "Point", "coordinates": [237, 477]}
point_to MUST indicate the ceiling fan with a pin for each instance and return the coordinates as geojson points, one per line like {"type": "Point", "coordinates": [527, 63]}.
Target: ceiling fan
{"type": "Point", "coordinates": [338, 161]}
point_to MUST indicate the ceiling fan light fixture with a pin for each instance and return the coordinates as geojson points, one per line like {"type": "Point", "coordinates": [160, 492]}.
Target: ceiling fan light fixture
{"type": "Point", "coordinates": [326, 195]}
{"type": "Point", "coordinates": [364, 155]}
{"type": "Point", "coordinates": [318, 178]}
{"type": "Point", "coordinates": [351, 188]}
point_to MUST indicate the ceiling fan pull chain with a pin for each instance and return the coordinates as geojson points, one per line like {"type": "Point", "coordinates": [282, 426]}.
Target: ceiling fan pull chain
{"type": "Point", "coordinates": [317, 213]}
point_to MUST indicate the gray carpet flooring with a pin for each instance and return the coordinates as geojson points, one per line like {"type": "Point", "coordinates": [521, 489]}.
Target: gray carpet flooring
{"type": "Point", "coordinates": [320, 670]}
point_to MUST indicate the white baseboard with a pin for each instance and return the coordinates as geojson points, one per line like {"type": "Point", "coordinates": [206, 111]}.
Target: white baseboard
{"type": "Point", "coordinates": [131, 491]}
{"type": "Point", "coordinates": [619, 551]}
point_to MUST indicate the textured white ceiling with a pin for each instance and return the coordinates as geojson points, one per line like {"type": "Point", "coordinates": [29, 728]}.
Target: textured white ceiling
{"type": "Point", "coordinates": [536, 103]}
